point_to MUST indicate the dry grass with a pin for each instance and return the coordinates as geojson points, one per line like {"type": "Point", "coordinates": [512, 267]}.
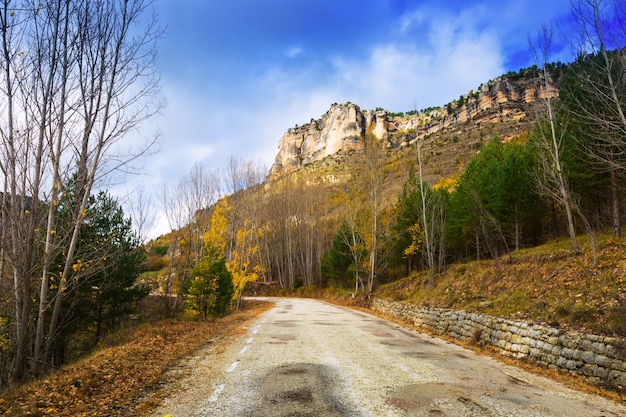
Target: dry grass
{"type": "Point", "coordinates": [545, 284]}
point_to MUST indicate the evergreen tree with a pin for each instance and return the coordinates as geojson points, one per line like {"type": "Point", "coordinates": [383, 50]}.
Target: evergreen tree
{"type": "Point", "coordinates": [337, 260]}
{"type": "Point", "coordinates": [495, 200]}
{"type": "Point", "coordinates": [597, 128]}
{"type": "Point", "coordinates": [210, 284]}
{"type": "Point", "coordinates": [108, 261]}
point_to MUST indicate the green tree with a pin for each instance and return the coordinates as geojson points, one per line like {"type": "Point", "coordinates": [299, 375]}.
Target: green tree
{"type": "Point", "coordinates": [406, 214]}
{"type": "Point", "coordinates": [521, 208]}
{"type": "Point", "coordinates": [101, 289]}
{"type": "Point", "coordinates": [593, 92]}
{"type": "Point", "coordinates": [495, 201]}
{"type": "Point", "coordinates": [337, 260]}
{"type": "Point", "coordinates": [210, 284]}
{"type": "Point", "coordinates": [476, 204]}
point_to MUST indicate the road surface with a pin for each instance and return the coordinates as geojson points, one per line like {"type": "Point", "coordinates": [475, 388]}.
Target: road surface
{"type": "Point", "coordinates": [310, 358]}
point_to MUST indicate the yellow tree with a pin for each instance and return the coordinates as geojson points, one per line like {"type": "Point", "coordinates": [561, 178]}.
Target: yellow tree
{"type": "Point", "coordinates": [242, 265]}
{"type": "Point", "coordinates": [370, 171]}
{"type": "Point", "coordinates": [216, 234]}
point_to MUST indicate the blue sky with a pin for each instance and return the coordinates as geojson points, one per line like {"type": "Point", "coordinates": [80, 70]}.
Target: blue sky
{"type": "Point", "coordinates": [236, 74]}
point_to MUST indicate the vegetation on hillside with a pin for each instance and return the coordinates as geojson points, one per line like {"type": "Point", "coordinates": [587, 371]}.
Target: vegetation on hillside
{"type": "Point", "coordinates": [544, 284]}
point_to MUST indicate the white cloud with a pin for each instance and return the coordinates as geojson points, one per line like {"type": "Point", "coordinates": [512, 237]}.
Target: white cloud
{"type": "Point", "coordinates": [396, 74]}
{"type": "Point", "coordinates": [294, 52]}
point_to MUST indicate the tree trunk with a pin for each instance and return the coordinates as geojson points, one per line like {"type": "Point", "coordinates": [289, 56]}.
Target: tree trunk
{"type": "Point", "coordinates": [615, 204]}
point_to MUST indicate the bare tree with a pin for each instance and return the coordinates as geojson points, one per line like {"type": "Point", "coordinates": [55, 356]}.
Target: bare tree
{"type": "Point", "coordinates": [244, 235]}
{"type": "Point", "coordinates": [76, 78]}
{"type": "Point", "coordinates": [176, 213]}
{"type": "Point", "coordinates": [142, 213]}
{"type": "Point", "coordinates": [433, 221]}
{"type": "Point", "coordinates": [369, 172]}
{"type": "Point", "coordinates": [22, 175]}
{"type": "Point", "coordinates": [596, 95]}
{"type": "Point", "coordinates": [551, 178]}
{"type": "Point", "coordinates": [351, 235]}
{"type": "Point", "coordinates": [117, 81]}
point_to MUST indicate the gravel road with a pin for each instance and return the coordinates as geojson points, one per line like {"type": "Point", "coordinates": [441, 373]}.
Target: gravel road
{"type": "Point", "coordinates": [310, 358]}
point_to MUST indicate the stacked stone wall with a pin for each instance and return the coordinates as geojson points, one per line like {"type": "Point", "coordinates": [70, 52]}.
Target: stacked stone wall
{"type": "Point", "coordinates": [599, 359]}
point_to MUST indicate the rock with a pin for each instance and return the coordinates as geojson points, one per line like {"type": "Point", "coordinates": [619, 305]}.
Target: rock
{"type": "Point", "coordinates": [344, 126]}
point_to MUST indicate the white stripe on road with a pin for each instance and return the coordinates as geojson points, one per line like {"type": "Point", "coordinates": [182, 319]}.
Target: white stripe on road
{"type": "Point", "coordinates": [216, 393]}
{"type": "Point", "coordinates": [232, 366]}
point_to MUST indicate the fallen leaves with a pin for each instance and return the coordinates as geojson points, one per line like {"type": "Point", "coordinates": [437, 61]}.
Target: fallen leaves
{"type": "Point", "coordinates": [545, 284]}
{"type": "Point", "coordinates": [112, 381]}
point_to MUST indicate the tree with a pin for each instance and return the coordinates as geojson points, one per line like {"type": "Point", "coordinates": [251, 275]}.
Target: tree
{"type": "Point", "coordinates": [551, 179]}
{"type": "Point", "coordinates": [210, 284]}
{"type": "Point", "coordinates": [242, 265]}
{"type": "Point", "coordinates": [521, 210]}
{"type": "Point", "coordinates": [420, 222]}
{"type": "Point", "coordinates": [369, 171]}
{"type": "Point", "coordinates": [76, 78]}
{"type": "Point", "coordinates": [356, 218]}
{"type": "Point", "coordinates": [108, 261]}
{"type": "Point", "coordinates": [594, 90]}
{"type": "Point", "coordinates": [142, 213]}
{"type": "Point", "coordinates": [337, 260]}
{"type": "Point", "coordinates": [432, 221]}
{"type": "Point", "coordinates": [186, 205]}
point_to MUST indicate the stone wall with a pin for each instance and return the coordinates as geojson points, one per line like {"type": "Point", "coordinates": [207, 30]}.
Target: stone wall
{"type": "Point", "coordinates": [599, 359]}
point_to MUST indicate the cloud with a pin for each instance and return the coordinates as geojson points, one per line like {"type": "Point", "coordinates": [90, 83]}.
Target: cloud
{"type": "Point", "coordinates": [449, 60]}
{"type": "Point", "coordinates": [294, 52]}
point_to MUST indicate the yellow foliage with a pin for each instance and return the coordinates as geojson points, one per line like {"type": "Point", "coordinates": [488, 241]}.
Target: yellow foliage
{"type": "Point", "coordinates": [416, 241]}
{"type": "Point", "coordinates": [240, 265]}
{"type": "Point", "coordinates": [448, 184]}
{"type": "Point", "coordinates": [216, 235]}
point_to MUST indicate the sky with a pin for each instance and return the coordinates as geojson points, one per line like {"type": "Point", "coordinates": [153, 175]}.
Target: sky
{"type": "Point", "coordinates": [236, 74]}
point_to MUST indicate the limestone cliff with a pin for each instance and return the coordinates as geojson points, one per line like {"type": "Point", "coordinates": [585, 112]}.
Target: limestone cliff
{"type": "Point", "coordinates": [344, 126]}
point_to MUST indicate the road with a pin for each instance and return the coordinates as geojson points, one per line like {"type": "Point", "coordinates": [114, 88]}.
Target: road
{"type": "Point", "coordinates": [310, 358]}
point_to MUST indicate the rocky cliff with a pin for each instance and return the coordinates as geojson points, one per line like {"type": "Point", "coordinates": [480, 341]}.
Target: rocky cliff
{"type": "Point", "coordinates": [344, 126]}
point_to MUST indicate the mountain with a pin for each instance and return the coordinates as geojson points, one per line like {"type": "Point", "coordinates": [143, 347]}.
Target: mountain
{"type": "Point", "coordinates": [505, 106]}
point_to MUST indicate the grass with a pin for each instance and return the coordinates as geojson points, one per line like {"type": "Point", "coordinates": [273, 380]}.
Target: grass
{"type": "Point", "coordinates": [545, 284]}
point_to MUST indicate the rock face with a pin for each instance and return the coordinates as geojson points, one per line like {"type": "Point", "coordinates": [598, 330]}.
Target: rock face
{"type": "Point", "coordinates": [344, 126]}
{"type": "Point", "coordinates": [341, 128]}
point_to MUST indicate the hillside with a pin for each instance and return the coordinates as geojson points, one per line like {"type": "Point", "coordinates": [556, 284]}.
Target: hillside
{"type": "Point", "coordinates": [319, 182]}
{"type": "Point", "coordinates": [545, 284]}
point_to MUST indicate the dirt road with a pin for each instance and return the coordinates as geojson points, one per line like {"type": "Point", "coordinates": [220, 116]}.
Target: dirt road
{"type": "Point", "coordinates": [309, 358]}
